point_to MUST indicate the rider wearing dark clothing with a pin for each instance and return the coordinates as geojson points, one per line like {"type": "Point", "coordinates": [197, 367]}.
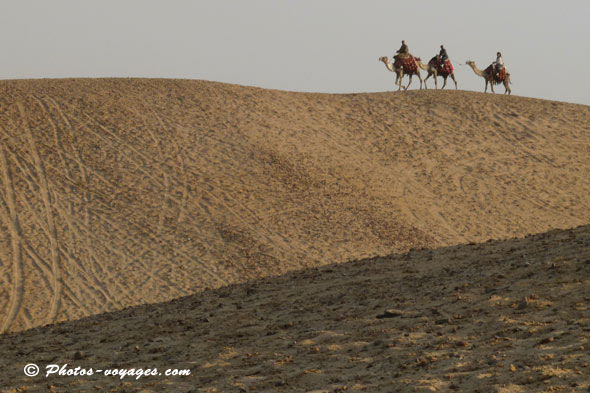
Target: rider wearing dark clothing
{"type": "Point", "coordinates": [403, 50]}
{"type": "Point", "coordinates": [443, 54]}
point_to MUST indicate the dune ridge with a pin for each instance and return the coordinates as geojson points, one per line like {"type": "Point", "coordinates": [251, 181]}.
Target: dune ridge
{"type": "Point", "coordinates": [119, 192]}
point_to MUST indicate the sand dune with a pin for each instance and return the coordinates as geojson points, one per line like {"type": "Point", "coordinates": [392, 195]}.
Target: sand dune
{"type": "Point", "coordinates": [119, 192]}
{"type": "Point", "coordinates": [502, 316]}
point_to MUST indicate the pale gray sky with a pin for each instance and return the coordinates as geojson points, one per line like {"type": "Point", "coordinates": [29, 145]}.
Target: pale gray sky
{"type": "Point", "coordinates": [301, 45]}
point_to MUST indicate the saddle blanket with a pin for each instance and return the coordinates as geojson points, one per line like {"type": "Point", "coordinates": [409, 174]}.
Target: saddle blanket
{"type": "Point", "coordinates": [444, 69]}
{"type": "Point", "coordinates": [447, 68]}
{"type": "Point", "coordinates": [409, 64]}
{"type": "Point", "coordinates": [500, 76]}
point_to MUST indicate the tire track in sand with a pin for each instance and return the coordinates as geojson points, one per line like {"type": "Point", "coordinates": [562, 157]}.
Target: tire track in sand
{"type": "Point", "coordinates": [9, 215]}
{"type": "Point", "coordinates": [44, 190]}
{"type": "Point", "coordinates": [96, 290]}
{"type": "Point", "coordinates": [99, 272]}
{"type": "Point", "coordinates": [115, 140]}
{"type": "Point", "coordinates": [181, 166]}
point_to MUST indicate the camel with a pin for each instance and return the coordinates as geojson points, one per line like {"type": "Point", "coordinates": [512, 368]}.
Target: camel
{"type": "Point", "coordinates": [433, 71]}
{"type": "Point", "coordinates": [399, 72]}
{"type": "Point", "coordinates": [489, 78]}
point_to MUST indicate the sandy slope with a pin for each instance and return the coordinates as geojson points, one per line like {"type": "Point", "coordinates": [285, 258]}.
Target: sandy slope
{"type": "Point", "coordinates": [502, 316]}
{"type": "Point", "coordinates": [118, 192]}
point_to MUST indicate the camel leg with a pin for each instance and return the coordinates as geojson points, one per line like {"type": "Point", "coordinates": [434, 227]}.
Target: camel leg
{"type": "Point", "coordinates": [409, 82]}
{"type": "Point", "coordinates": [507, 87]}
{"type": "Point", "coordinates": [445, 82]}
{"type": "Point", "coordinates": [425, 79]}
{"type": "Point", "coordinates": [492, 87]}
{"type": "Point", "coordinates": [433, 74]}
{"type": "Point", "coordinates": [420, 77]}
{"type": "Point", "coordinates": [486, 89]}
{"type": "Point", "coordinates": [454, 80]}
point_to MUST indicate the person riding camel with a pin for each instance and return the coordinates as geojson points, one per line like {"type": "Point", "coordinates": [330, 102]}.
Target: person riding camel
{"type": "Point", "coordinates": [443, 62]}
{"type": "Point", "coordinates": [498, 64]}
{"type": "Point", "coordinates": [442, 55]}
{"type": "Point", "coordinates": [402, 52]}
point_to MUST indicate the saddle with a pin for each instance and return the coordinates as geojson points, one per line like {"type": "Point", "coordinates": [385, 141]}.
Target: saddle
{"type": "Point", "coordinates": [446, 68]}
{"type": "Point", "coordinates": [442, 69]}
{"type": "Point", "coordinates": [499, 77]}
{"type": "Point", "coordinates": [407, 63]}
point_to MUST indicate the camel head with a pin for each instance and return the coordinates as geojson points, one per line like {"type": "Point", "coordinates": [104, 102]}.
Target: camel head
{"type": "Point", "coordinates": [470, 63]}
{"type": "Point", "coordinates": [384, 59]}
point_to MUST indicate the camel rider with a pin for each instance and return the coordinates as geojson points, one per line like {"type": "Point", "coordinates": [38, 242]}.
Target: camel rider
{"type": "Point", "coordinates": [499, 63]}
{"type": "Point", "coordinates": [403, 51]}
{"type": "Point", "coordinates": [443, 55]}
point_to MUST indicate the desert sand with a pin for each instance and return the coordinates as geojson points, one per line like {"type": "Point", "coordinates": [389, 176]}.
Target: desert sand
{"type": "Point", "coordinates": [119, 193]}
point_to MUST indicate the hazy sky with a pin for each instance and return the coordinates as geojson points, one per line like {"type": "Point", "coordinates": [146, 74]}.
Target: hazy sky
{"type": "Point", "coordinates": [301, 45]}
